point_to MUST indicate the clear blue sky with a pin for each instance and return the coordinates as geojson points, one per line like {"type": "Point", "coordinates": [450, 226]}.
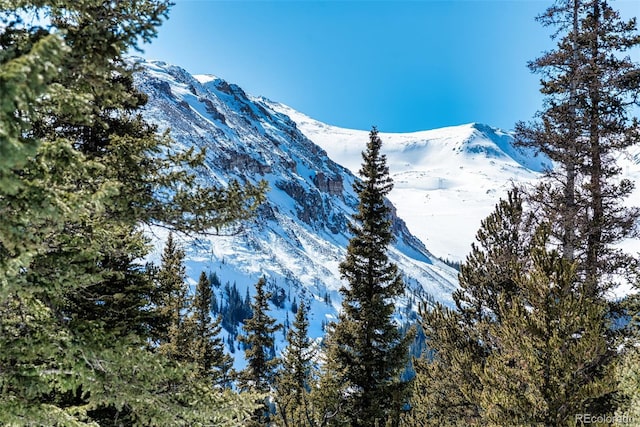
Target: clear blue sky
{"type": "Point", "coordinates": [400, 65]}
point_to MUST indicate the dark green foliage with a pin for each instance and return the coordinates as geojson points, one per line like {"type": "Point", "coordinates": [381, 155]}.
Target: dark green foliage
{"type": "Point", "coordinates": [258, 341]}
{"type": "Point", "coordinates": [590, 87]}
{"type": "Point", "coordinates": [233, 308]}
{"type": "Point", "coordinates": [297, 375]}
{"type": "Point", "coordinates": [206, 349]}
{"type": "Point", "coordinates": [259, 351]}
{"type": "Point", "coordinates": [82, 172]}
{"type": "Point", "coordinates": [214, 280]}
{"type": "Point", "coordinates": [169, 300]}
{"type": "Point", "coordinates": [365, 350]}
{"type": "Point", "coordinates": [450, 263]}
{"type": "Point", "coordinates": [278, 297]}
{"type": "Point", "coordinates": [488, 272]}
{"type": "Point", "coordinates": [526, 345]}
{"type": "Point", "coordinates": [445, 387]}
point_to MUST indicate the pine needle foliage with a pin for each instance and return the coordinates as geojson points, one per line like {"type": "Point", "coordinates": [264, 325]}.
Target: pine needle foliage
{"type": "Point", "coordinates": [549, 361]}
{"type": "Point", "coordinates": [365, 348]}
{"type": "Point", "coordinates": [447, 389]}
{"type": "Point", "coordinates": [206, 348]}
{"type": "Point", "coordinates": [590, 86]}
{"type": "Point", "coordinates": [297, 375]}
{"type": "Point", "coordinates": [628, 368]}
{"type": "Point", "coordinates": [527, 346]}
{"type": "Point", "coordinates": [169, 299]}
{"type": "Point", "coordinates": [258, 341]}
{"type": "Point", "coordinates": [82, 173]}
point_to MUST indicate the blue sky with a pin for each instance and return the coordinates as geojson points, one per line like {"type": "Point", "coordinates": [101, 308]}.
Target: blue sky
{"type": "Point", "coordinates": [400, 65]}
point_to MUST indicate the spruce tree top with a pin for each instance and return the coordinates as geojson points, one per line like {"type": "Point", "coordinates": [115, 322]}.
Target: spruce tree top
{"type": "Point", "coordinates": [371, 191]}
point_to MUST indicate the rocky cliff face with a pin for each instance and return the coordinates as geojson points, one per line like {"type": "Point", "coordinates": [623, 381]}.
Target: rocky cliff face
{"type": "Point", "coordinates": [301, 234]}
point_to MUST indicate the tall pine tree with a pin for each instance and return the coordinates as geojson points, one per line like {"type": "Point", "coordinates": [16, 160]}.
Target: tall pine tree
{"type": "Point", "coordinates": [206, 348]}
{"type": "Point", "coordinates": [365, 349]}
{"type": "Point", "coordinates": [590, 87]}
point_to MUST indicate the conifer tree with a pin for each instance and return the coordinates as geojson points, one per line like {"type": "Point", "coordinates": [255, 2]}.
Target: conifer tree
{"type": "Point", "coordinates": [170, 302]}
{"type": "Point", "coordinates": [297, 377]}
{"type": "Point", "coordinates": [365, 348]}
{"type": "Point", "coordinates": [206, 348]}
{"type": "Point", "coordinates": [590, 87]}
{"type": "Point", "coordinates": [85, 173]}
{"type": "Point", "coordinates": [446, 389]}
{"type": "Point", "coordinates": [540, 370]}
{"type": "Point", "coordinates": [259, 347]}
{"type": "Point", "coordinates": [628, 368]}
{"type": "Point", "coordinates": [533, 352]}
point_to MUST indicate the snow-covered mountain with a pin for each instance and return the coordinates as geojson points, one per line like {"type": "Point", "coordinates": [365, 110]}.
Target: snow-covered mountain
{"type": "Point", "coordinates": [446, 181]}
{"type": "Point", "coordinates": [301, 233]}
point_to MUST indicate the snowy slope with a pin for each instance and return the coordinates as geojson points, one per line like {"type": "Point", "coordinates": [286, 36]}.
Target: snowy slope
{"type": "Point", "coordinates": [446, 180]}
{"type": "Point", "coordinates": [301, 233]}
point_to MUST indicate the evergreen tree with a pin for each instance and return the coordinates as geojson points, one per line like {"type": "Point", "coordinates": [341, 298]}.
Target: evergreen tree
{"type": "Point", "coordinates": [206, 348]}
{"type": "Point", "coordinates": [365, 349]}
{"type": "Point", "coordinates": [84, 172]}
{"type": "Point", "coordinates": [540, 370]}
{"type": "Point", "coordinates": [170, 302]}
{"type": "Point", "coordinates": [447, 388]}
{"type": "Point", "coordinates": [296, 377]}
{"type": "Point", "coordinates": [590, 87]}
{"type": "Point", "coordinates": [628, 370]}
{"type": "Point", "coordinates": [259, 348]}
{"type": "Point", "coordinates": [526, 345]}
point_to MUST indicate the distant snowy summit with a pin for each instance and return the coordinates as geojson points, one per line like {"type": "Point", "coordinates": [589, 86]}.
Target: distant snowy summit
{"type": "Point", "coordinates": [446, 180]}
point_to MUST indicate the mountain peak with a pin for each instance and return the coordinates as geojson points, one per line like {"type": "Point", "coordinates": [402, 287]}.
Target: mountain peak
{"type": "Point", "coordinates": [206, 78]}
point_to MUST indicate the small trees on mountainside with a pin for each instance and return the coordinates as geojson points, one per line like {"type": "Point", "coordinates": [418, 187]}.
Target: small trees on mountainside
{"type": "Point", "coordinates": [259, 351]}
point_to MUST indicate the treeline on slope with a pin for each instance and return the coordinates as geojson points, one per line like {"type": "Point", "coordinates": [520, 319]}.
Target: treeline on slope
{"type": "Point", "coordinates": [234, 309]}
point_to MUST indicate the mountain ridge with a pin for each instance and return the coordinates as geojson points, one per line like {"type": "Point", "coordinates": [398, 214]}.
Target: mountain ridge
{"type": "Point", "coordinates": [301, 233]}
{"type": "Point", "coordinates": [451, 175]}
